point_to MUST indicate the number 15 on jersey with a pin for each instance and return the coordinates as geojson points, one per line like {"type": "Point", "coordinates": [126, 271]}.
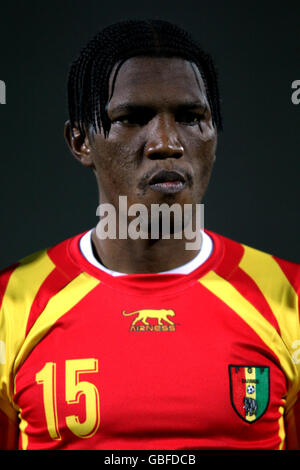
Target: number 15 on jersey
{"type": "Point", "coordinates": [75, 388]}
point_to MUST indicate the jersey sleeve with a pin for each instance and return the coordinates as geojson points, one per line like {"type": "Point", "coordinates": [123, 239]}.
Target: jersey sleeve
{"type": "Point", "coordinates": [8, 414]}
{"type": "Point", "coordinates": [279, 282]}
{"type": "Point", "coordinates": [19, 286]}
{"type": "Point", "coordinates": [292, 419]}
{"type": "Point", "coordinates": [292, 416]}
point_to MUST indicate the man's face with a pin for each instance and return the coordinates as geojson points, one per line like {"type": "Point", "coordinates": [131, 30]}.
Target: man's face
{"type": "Point", "coordinates": [160, 120]}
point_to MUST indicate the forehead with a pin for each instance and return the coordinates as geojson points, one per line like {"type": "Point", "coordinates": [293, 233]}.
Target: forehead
{"type": "Point", "coordinates": [156, 78]}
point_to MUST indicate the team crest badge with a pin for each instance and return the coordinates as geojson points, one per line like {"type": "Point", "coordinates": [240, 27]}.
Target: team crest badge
{"type": "Point", "coordinates": [249, 391]}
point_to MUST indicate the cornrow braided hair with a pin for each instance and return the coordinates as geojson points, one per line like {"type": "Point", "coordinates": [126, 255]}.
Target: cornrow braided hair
{"type": "Point", "coordinates": [88, 82]}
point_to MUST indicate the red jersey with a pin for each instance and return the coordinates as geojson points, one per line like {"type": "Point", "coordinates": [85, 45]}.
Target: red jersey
{"type": "Point", "coordinates": [205, 360]}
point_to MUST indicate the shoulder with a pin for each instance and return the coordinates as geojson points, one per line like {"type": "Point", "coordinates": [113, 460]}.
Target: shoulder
{"type": "Point", "coordinates": [270, 283]}
{"type": "Point", "coordinates": [265, 269]}
{"type": "Point", "coordinates": [27, 285]}
{"type": "Point", "coordinates": [31, 271]}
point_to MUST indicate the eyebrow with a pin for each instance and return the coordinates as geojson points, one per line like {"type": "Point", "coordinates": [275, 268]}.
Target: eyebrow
{"type": "Point", "coordinates": [134, 107]}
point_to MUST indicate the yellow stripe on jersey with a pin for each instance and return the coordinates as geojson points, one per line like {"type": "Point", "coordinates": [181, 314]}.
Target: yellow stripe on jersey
{"type": "Point", "coordinates": [242, 307]}
{"type": "Point", "coordinates": [58, 305]}
{"type": "Point", "coordinates": [281, 431]}
{"type": "Point", "coordinates": [19, 295]}
{"type": "Point", "coordinates": [23, 426]}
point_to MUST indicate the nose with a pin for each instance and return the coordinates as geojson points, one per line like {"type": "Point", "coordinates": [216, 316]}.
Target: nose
{"type": "Point", "coordinates": [163, 140]}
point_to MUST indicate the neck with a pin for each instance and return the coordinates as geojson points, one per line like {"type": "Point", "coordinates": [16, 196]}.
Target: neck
{"type": "Point", "coordinates": [142, 255]}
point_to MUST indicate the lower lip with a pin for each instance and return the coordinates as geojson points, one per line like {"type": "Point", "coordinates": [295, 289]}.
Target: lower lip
{"type": "Point", "coordinates": [169, 187]}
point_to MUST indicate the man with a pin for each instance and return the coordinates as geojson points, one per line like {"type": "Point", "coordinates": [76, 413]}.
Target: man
{"type": "Point", "coordinates": [123, 342]}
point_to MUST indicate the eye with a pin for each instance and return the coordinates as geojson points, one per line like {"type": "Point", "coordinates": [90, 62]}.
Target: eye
{"type": "Point", "coordinates": [124, 119]}
{"type": "Point", "coordinates": [190, 118]}
{"type": "Point", "coordinates": [134, 119]}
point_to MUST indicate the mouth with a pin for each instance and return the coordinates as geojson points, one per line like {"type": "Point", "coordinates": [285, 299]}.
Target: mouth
{"type": "Point", "coordinates": [168, 182]}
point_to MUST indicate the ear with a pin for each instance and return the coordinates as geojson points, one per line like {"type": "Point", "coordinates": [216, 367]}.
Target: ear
{"type": "Point", "coordinates": [79, 145]}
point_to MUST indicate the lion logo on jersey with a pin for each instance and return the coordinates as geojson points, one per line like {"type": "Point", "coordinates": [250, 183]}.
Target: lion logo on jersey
{"type": "Point", "coordinates": [159, 315]}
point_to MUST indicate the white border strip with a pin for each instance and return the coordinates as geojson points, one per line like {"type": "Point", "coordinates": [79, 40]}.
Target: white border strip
{"type": "Point", "coordinates": [203, 255]}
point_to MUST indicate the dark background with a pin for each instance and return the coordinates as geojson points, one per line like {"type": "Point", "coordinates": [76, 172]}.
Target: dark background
{"type": "Point", "coordinates": [46, 196]}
